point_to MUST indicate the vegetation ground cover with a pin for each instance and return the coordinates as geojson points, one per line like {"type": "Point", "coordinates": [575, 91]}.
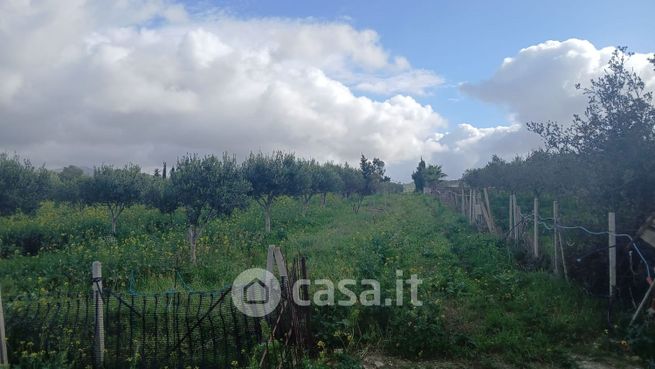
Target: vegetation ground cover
{"type": "Point", "coordinates": [477, 304]}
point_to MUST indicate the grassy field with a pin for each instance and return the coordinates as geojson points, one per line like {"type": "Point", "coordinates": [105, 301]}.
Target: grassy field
{"type": "Point", "coordinates": [477, 307]}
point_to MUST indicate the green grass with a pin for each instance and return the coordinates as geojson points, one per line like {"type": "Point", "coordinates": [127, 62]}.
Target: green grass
{"type": "Point", "coordinates": [476, 302]}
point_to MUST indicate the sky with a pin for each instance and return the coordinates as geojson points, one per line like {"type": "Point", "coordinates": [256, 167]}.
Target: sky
{"type": "Point", "coordinates": [145, 81]}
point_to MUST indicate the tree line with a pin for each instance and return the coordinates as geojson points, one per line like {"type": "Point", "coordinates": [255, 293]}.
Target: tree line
{"type": "Point", "coordinates": [605, 157]}
{"type": "Point", "coordinates": [206, 187]}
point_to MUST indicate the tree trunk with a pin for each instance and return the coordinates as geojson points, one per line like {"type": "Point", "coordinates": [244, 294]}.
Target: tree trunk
{"type": "Point", "coordinates": [267, 217]}
{"type": "Point", "coordinates": [357, 204]}
{"type": "Point", "coordinates": [193, 234]}
{"type": "Point", "coordinates": [113, 214]}
{"type": "Point", "coordinates": [305, 204]}
{"type": "Point", "coordinates": [113, 225]}
{"type": "Point", "coordinates": [323, 199]}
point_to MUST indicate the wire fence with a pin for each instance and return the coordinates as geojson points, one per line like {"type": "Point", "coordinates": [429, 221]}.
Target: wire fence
{"type": "Point", "coordinates": [626, 275]}
{"type": "Point", "coordinates": [174, 330]}
{"type": "Point", "coordinates": [116, 330]}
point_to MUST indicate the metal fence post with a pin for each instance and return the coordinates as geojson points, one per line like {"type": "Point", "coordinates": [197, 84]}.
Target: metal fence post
{"type": "Point", "coordinates": [99, 339]}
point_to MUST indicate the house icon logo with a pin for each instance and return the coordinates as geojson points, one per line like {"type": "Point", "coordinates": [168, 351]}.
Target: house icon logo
{"type": "Point", "coordinates": [256, 292]}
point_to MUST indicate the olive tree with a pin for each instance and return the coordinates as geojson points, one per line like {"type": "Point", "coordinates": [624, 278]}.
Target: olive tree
{"type": "Point", "coordinates": [22, 186]}
{"type": "Point", "coordinates": [353, 185]}
{"type": "Point", "coordinates": [272, 176]}
{"type": "Point", "coordinates": [115, 188]}
{"type": "Point", "coordinates": [67, 185]}
{"type": "Point", "coordinates": [328, 180]}
{"type": "Point", "coordinates": [207, 188]}
{"type": "Point", "coordinates": [160, 194]}
{"type": "Point", "coordinates": [308, 181]}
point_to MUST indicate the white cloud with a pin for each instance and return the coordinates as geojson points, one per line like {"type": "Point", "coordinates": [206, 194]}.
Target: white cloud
{"type": "Point", "coordinates": [468, 146]}
{"type": "Point", "coordinates": [87, 82]}
{"type": "Point", "coordinates": [202, 48]}
{"type": "Point", "coordinates": [143, 81]}
{"type": "Point", "coordinates": [416, 82]}
{"type": "Point", "coordinates": [538, 84]}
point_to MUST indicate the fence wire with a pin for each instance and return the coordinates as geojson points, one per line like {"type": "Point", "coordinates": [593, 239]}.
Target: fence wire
{"type": "Point", "coordinates": [167, 330]}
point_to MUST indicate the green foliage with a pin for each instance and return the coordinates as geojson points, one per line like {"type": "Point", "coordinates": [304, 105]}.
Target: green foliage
{"type": "Point", "coordinates": [67, 185]}
{"type": "Point", "coordinates": [207, 188]}
{"type": "Point", "coordinates": [600, 162]}
{"type": "Point", "coordinates": [353, 181]}
{"type": "Point", "coordinates": [160, 194]}
{"type": "Point", "coordinates": [419, 177]}
{"type": "Point", "coordinates": [310, 180]}
{"type": "Point", "coordinates": [22, 186]}
{"type": "Point", "coordinates": [619, 114]}
{"type": "Point", "coordinates": [476, 302]}
{"type": "Point", "coordinates": [433, 175]}
{"type": "Point", "coordinates": [602, 158]}
{"type": "Point", "coordinates": [611, 145]}
{"type": "Point", "coordinates": [373, 173]}
{"type": "Point", "coordinates": [114, 188]}
{"type": "Point", "coordinates": [429, 176]}
{"type": "Point", "coordinates": [328, 180]}
{"type": "Point", "coordinates": [274, 176]}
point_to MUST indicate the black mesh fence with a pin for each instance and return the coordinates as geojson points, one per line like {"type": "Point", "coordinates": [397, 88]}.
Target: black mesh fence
{"type": "Point", "coordinates": [167, 330]}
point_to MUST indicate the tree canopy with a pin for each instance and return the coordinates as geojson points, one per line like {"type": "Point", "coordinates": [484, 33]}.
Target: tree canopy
{"type": "Point", "coordinates": [22, 186]}
{"type": "Point", "coordinates": [115, 188]}
{"type": "Point", "coordinates": [604, 156]}
{"type": "Point", "coordinates": [433, 175]}
{"type": "Point", "coordinates": [207, 188]}
{"type": "Point", "coordinates": [419, 177]}
{"type": "Point", "coordinates": [272, 176]}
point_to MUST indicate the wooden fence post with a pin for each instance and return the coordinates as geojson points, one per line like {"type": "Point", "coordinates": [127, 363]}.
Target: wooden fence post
{"type": "Point", "coordinates": [535, 227]}
{"type": "Point", "coordinates": [99, 341]}
{"type": "Point", "coordinates": [612, 252]}
{"type": "Point", "coordinates": [487, 217]}
{"type": "Point", "coordinates": [516, 219]}
{"type": "Point", "coordinates": [489, 213]}
{"type": "Point", "coordinates": [555, 236]}
{"type": "Point", "coordinates": [510, 223]}
{"type": "Point", "coordinates": [476, 207]}
{"type": "Point", "coordinates": [463, 202]}
{"type": "Point", "coordinates": [561, 249]}
{"type": "Point", "coordinates": [471, 205]}
{"type": "Point", "coordinates": [4, 359]}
